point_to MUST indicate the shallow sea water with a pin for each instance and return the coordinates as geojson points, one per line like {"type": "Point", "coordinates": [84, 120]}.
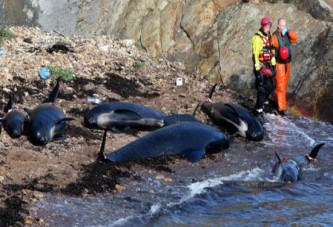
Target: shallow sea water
{"type": "Point", "coordinates": [210, 199]}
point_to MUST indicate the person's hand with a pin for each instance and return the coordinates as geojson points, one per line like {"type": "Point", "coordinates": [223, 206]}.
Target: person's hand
{"type": "Point", "coordinates": [258, 66]}
{"type": "Point", "coordinates": [285, 31]}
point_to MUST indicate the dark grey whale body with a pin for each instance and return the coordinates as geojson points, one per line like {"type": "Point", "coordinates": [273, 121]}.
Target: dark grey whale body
{"type": "Point", "coordinates": [46, 121]}
{"type": "Point", "coordinates": [118, 115]}
{"type": "Point", "coordinates": [233, 118]}
{"type": "Point", "coordinates": [289, 170]}
{"type": "Point", "coordinates": [14, 121]}
{"type": "Point", "coordinates": [177, 118]}
{"type": "Point", "coordinates": [190, 139]}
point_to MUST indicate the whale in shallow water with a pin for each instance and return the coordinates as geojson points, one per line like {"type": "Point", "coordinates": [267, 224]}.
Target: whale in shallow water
{"type": "Point", "coordinates": [191, 139]}
{"type": "Point", "coordinates": [290, 170]}
{"type": "Point", "coordinates": [13, 121]}
{"type": "Point", "coordinates": [116, 116]}
{"type": "Point", "coordinates": [46, 121]}
{"type": "Point", "coordinates": [233, 118]}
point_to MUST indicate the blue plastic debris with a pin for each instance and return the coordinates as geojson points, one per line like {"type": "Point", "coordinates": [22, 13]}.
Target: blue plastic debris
{"type": "Point", "coordinates": [2, 52]}
{"type": "Point", "coordinates": [44, 73]}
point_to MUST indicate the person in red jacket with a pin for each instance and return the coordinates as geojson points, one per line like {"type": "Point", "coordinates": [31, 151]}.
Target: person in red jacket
{"type": "Point", "coordinates": [264, 64]}
{"type": "Point", "coordinates": [281, 40]}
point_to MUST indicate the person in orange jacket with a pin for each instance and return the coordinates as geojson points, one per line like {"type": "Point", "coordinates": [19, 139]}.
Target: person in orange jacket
{"type": "Point", "coordinates": [264, 64]}
{"type": "Point", "coordinates": [281, 40]}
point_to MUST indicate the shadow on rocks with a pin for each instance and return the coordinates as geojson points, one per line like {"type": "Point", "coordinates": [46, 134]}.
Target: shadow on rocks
{"type": "Point", "coordinates": [97, 177]}
{"type": "Point", "coordinates": [14, 204]}
{"type": "Point", "coordinates": [11, 214]}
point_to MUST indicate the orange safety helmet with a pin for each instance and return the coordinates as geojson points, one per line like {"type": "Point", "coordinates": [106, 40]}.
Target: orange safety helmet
{"type": "Point", "coordinates": [266, 20]}
{"type": "Point", "coordinates": [283, 53]}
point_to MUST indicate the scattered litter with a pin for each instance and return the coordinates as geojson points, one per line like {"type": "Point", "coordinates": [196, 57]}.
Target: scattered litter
{"type": "Point", "coordinates": [94, 100]}
{"type": "Point", "coordinates": [179, 81]}
{"type": "Point", "coordinates": [44, 73]}
{"type": "Point", "coordinates": [2, 52]}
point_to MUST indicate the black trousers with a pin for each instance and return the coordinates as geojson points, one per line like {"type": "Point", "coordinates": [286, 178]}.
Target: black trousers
{"type": "Point", "coordinates": [265, 86]}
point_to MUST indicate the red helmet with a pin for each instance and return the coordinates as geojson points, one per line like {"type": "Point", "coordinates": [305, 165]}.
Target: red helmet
{"type": "Point", "coordinates": [266, 20]}
{"type": "Point", "coordinates": [265, 71]}
{"type": "Point", "coordinates": [283, 53]}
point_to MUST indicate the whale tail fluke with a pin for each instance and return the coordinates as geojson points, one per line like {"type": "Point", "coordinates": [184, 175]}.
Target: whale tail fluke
{"type": "Point", "coordinates": [313, 154]}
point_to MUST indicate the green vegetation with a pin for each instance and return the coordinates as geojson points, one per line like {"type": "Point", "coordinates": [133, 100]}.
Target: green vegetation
{"type": "Point", "coordinates": [138, 65]}
{"type": "Point", "coordinates": [61, 73]}
{"type": "Point", "coordinates": [5, 33]}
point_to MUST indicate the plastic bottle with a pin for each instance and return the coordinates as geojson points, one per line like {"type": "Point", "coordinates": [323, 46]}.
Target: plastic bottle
{"type": "Point", "coordinates": [94, 100]}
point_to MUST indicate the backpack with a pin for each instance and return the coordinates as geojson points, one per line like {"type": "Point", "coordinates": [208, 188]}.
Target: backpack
{"type": "Point", "coordinates": [283, 53]}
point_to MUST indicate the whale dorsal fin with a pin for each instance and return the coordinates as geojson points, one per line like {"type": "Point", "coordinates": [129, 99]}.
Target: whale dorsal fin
{"type": "Point", "coordinates": [54, 93]}
{"type": "Point", "coordinates": [313, 154]}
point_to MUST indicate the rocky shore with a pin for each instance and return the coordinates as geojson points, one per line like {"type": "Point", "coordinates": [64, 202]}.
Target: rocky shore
{"type": "Point", "coordinates": [105, 68]}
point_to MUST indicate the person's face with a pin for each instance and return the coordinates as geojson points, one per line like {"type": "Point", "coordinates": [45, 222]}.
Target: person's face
{"type": "Point", "coordinates": [266, 28]}
{"type": "Point", "coordinates": [282, 24]}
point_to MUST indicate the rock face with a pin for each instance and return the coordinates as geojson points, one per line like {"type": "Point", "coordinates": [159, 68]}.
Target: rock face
{"type": "Point", "coordinates": [211, 36]}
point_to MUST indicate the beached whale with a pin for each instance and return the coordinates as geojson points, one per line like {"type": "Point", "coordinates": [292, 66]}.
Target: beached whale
{"type": "Point", "coordinates": [290, 170]}
{"type": "Point", "coordinates": [191, 139]}
{"type": "Point", "coordinates": [235, 119]}
{"type": "Point", "coordinates": [117, 116]}
{"type": "Point", "coordinates": [46, 121]}
{"type": "Point", "coordinates": [13, 121]}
